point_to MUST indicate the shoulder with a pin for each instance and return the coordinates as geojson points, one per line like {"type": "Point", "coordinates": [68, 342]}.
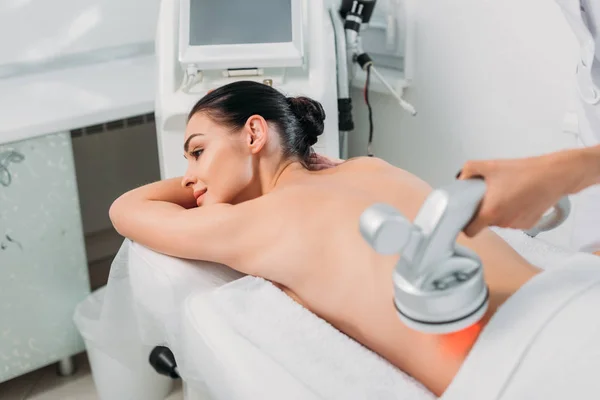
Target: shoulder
{"type": "Point", "coordinates": [387, 172]}
{"type": "Point", "coordinates": [370, 163]}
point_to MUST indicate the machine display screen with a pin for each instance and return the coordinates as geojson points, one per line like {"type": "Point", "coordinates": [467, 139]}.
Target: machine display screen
{"type": "Point", "coordinates": [219, 22]}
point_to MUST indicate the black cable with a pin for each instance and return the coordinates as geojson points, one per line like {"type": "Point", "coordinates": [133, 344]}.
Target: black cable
{"type": "Point", "coordinates": [366, 94]}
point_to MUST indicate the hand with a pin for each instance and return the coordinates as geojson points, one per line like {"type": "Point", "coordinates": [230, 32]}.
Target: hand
{"type": "Point", "coordinates": [520, 191]}
{"type": "Point", "coordinates": [319, 162]}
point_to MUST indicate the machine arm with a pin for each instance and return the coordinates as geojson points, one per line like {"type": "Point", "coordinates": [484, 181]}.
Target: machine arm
{"type": "Point", "coordinates": [356, 13]}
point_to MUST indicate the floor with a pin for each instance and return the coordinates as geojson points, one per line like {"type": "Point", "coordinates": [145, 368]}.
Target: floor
{"type": "Point", "coordinates": [45, 384]}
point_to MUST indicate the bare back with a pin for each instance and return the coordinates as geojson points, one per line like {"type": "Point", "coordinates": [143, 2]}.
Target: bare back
{"type": "Point", "coordinates": [309, 243]}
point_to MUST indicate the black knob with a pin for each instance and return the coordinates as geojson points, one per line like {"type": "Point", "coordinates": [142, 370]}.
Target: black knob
{"type": "Point", "coordinates": [163, 362]}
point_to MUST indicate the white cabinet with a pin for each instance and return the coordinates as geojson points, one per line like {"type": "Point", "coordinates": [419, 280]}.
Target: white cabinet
{"type": "Point", "coordinates": [43, 268]}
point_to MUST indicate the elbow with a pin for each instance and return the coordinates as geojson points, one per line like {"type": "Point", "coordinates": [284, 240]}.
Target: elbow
{"type": "Point", "coordinates": [116, 214]}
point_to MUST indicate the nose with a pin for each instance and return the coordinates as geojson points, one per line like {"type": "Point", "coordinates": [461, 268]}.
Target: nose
{"type": "Point", "coordinates": [188, 181]}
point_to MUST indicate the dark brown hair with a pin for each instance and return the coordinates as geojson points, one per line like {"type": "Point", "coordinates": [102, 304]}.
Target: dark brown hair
{"type": "Point", "coordinates": [299, 120]}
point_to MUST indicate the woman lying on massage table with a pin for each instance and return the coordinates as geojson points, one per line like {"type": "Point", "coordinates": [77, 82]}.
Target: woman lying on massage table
{"type": "Point", "coordinates": [249, 201]}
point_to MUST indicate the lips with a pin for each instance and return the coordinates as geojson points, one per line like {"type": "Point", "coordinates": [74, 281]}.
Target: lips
{"type": "Point", "coordinates": [198, 194]}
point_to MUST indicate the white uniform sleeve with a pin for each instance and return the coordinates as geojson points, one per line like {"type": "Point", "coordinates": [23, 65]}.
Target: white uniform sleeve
{"type": "Point", "coordinates": [583, 16]}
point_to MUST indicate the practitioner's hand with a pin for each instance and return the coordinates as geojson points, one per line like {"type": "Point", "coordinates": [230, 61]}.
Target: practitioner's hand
{"type": "Point", "coordinates": [318, 162]}
{"type": "Point", "coordinates": [521, 191]}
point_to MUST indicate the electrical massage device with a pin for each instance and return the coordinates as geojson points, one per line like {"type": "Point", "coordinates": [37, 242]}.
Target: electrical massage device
{"type": "Point", "coordinates": [438, 284]}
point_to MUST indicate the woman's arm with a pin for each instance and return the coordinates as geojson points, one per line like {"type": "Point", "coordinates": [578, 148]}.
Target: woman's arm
{"type": "Point", "coordinates": [592, 166]}
{"type": "Point", "coordinates": [168, 190]}
{"type": "Point", "coordinates": [163, 217]}
{"type": "Point", "coordinates": [520, 191]}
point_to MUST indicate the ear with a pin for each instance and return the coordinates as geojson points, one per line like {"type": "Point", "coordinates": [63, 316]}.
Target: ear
{"type": "Point", "coordinates": [257, 133]}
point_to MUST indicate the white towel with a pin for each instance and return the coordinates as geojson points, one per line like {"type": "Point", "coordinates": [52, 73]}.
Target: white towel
{"type": "Point", "coordinates": [319, 356]}
{"type": "Point", "coordinates": [323, 359]}
{"type": "Point", "coordinates": [535, 250]}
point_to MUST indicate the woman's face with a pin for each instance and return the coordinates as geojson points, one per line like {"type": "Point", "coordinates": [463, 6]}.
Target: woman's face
{"type": "Point", "coordinates": [220, 162]}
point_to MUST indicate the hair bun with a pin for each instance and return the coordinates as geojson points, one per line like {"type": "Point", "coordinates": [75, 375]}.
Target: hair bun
{"type": "Point", "coordinates": [311, 115]}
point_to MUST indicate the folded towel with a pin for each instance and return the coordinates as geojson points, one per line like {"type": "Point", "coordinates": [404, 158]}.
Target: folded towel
{"type": "Point", "coordinates": [322, 358]}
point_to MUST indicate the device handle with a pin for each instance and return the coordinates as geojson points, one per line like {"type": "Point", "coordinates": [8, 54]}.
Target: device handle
{"type": "Point", "coordinates": [444, 214]}
{"type": "Point", "coordinates": [560, 212]}
{"type": "Point", "coordinates": [442, 217]}
{"type": "Point", "coordinates": [385, 228]}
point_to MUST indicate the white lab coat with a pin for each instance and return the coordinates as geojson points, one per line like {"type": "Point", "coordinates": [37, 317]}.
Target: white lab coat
{"type": "Point", "coordinates": [584, 18]}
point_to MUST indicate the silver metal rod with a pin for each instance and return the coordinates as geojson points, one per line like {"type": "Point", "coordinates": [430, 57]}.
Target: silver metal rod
{"type": "Point", "coordinates": [343, 82]}
{"type": "Point", "coordinates": [403, 103]}
{"type": "Point", "coordinates": [344, 145]}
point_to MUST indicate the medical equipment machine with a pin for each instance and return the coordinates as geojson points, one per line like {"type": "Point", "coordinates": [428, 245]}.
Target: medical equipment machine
{"type": "Point", "coordinates": [355, 14]}
{"type": "Point", "coordinates": [292, 45]}
{"type": "Point", "coordinates": [438, 284]}
{"type": "Point", "coordinates": [205, 44]}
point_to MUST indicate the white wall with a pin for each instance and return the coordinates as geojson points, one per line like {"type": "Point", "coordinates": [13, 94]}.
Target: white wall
{"type": "Point", "coordinates": [45, 29]}
{"type": "Point", "coordinates": [492, 79]}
